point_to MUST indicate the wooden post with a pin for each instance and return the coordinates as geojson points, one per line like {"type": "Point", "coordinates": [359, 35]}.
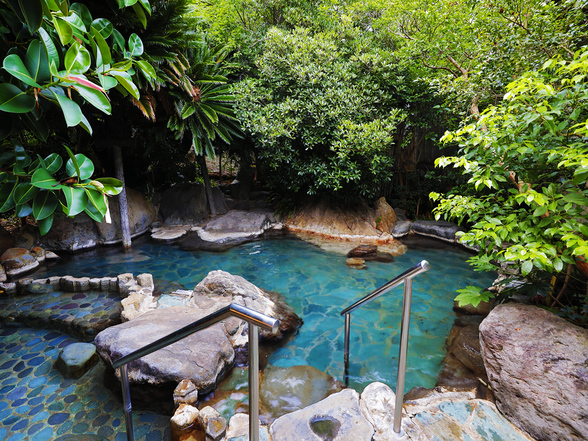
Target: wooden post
{"type": "Point", "coordinates": [122, 198]}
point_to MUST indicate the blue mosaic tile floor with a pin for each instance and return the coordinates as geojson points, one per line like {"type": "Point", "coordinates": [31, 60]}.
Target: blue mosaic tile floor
{"type": "Point", "coordinates": [38, 404]}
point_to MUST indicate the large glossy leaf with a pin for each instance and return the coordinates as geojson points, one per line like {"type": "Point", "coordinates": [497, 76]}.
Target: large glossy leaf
{"type": "Point", "coordinates": [93, 213]}
{"type": "Point", "coordinates": [52, 53]}
{"type": "Point", "coordinates": [96, 199]}
{"type": "Point", "coordinates": [43, 179]}
{"type": "Point", "coordinates": [103, 26]}
{"type": "Point", "coordinates": [94, 97]}
{"type": "Point", "coordinates": [23, 210]}
{"type": "Point", "coordinates": [85, 124]}
{"type": "Point", "coordinates": [111, 186]}
{"type": "Point", "coordinates": [75, 21]}
{"type": "Point", "coordinates": [37, 62]}
{"type": "Point", "coordinates": [146, 5]}
{"type": "Point", "coordinates": [29, 10]}
{"type": "Point", "coordinates": [45, 224]}
{"type": "Point", "coordinates": [127, 83]}
{"type": "Point", "coordinates": [44, 204]}
{"type": "Point", "coordinates": [14, 100]}
{"type": "Point", "coordinates": [146, 69]}
{"type": "Point", "coordinates": [83, 12]}
{"type": "Point", "coordinates": [7, 196]}
{"type": "Point", "coordinates": [64, 30]}
{"type": "Point", "coordinates": [77, 59]}
{"type": "Point", "coordinates": [24, 192]}
{"type": "Point", "coordinates": [105, 56]}
{"type": "Point", "coordinates": [15, 67]}
{"type": "Point", "coordinates": [140, 12]}
{"type": "Point", "coordinates": [75, 199]}
{"type": "Point", "coordinates": [107, 82]}
{"type": "Point", "coordinates": [135, 45]}
{"type": "Point", "coordinates": [71, 111]}
{"type": "Point", "coordinates": [53, 163]}
{"type": "Point", "coordinates": [23, 160]}
{"type": "Point", "coordinates": [85, 164]}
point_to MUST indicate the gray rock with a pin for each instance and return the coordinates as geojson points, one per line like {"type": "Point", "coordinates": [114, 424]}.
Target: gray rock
{"type": "Point", "coordinates": [142, 214]}
{"type": "Point", "coordinates": [537, 365]}
{"type": "Point", "coordinates": [66, 234]}
{"type": "Point", "coordinates": [236, 223]}
{"type": "Point", "coordinates": [18, 261]}
{"type": "Point", "coordinates": [186, 204]}
{"type": "Point", "coordinates": [336, 418]}
{"type": "Point", "coordinates": [193, 242]}
{"type": "Point", "coordinates": [203, 357]}
{"type": "Point", "coordinates": [439, 229]}
{"type": "Point", "coordinates": [219, 289]}
{"type": "Point", "coordinates": [285, 390]}
{"type": "Point", "coordinates": [401, 228]}
{"type": "Point", "coordinates": [76, 359]}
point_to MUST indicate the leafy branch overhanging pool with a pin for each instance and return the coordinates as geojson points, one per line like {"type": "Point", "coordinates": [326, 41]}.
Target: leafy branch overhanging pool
{"type": "Point", "coordinates": [318, 285]}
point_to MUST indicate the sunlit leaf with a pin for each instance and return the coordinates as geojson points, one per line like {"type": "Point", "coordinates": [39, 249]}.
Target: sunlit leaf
{"type": "Point", "coordinates": [42, 179]}
{"type": "Point", "coordinates": [84, 169]}
{"type": "Point", "coordinates": [15, 67]}
{"type": "Point", "coordinates": [76, 200]}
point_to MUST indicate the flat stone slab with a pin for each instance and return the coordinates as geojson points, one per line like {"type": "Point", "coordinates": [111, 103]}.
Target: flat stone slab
{"type": "Point", "coordinates": [336, 418]}
{"type": "Point", "coordinates": [169, 233]}
{"type": "Point", "coordinates": [203, 357]}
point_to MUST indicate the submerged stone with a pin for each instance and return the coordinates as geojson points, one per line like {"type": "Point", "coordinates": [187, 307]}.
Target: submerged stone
{"type": "Point", "coordinates": [76, 359]}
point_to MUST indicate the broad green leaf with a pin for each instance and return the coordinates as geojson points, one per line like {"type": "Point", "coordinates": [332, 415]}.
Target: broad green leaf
{"type": "Point", "coordinates": [103, 48]}
{"type": "Point", "coordinates": [37, 62]}
{"type": "Point", "coordinates": [44, 205]}
{"type": "Point", "coordinates": [71, 111]}
{"type": "Point", "coordinates": [94, 97]}
{"type": "Point", "coordinates": [576, 198]}
{"type": "Point", "coordinates": [50, 48]}
{"type": "Point", "coordinates": [24, 192]}
{"type": "Point", "coordinates": [53, 163]}
{"type": "Point", "coordinates": [146, 69]}
{"type": "Point", "coordinates": [146, 5]}
{"type": "Point", "coordinates": [107, 82]}
{"type": "Point", "coordinates": [75, 199]}
{"type": "Point", "coordinates": [118, 39]}
{"type": "Point", "coordinates": [72, 161]}
{"type": "Point", "coordinates": [23, 210]}
{"type": "Point", "coordinates": [127, 83]}
{"type": "Point", "coordinates": [45, 225]}
{"type": "Point", "coordinates": [14, 100]}
{"type": "Point", "coordinates": [93, 213]}
{"type": "Point", "coordinates": [77, 59]}
{"type": "Point", "coordinates": [111, 186]}
{"type": "Point", "coordinates": [96, 199]}
{"type": "Point", "coordinates": [75, 21]}
{"type": "Point", "coordinates": [15, 67]}
{"type": "Point", "coordinates": [85, 124]}
{"type": "Point", "coordinates": [135, 45]}
{"type": "Point", "coordinates": [43, 179]}
{"type": "Point", "coordinates": [30, 10]}
{"type": "Point", "coordinates": [84, 170]}
{"type": "Point", "coordinates": [7, 196]}
{"type": "Point", "coordinates": [83, 12]}
{"type": "Point", "coordinates": [64, 30]}
{"type": "Point", "coordinates": [103, 26]}
{"type": "Point", "coordinates": [526, 267]}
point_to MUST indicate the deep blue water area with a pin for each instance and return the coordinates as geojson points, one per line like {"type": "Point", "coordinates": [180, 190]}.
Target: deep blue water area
{"type": "Point", "coordinates": [318, 285]}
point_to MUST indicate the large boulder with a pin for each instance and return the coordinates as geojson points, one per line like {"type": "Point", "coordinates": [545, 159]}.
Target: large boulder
{"type": "Point", "coordinates": [186, 204]}
{"type": "Point", "coordinates": [219, 289]}
{"type": "Point", "coordinates": [385, 216]}
{"type": "Point", "coordinates": [142, 214]}
{"type": "Point", "coordinates": [203, 357]}
{"type": "Point", "coordinates": [438, 229]}
{"type": "Point", "coordinates": [537, 365]}
{"type": "Point", "coordinates": [66, 234]}
{"type": "Point", "coordinates": [17, 261]}
{"type": "Point", "coordinates": [336, 418]}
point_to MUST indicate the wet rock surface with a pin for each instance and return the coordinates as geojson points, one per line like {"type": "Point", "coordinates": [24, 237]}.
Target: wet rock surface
{"type": "Point", "coordinates": [17, 261]}
{"type": "Point", "coordinates": [537, 364]}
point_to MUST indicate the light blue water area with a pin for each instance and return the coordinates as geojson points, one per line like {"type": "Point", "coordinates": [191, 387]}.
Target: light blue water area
{"type": "Point", "coordinates": [318, 285]}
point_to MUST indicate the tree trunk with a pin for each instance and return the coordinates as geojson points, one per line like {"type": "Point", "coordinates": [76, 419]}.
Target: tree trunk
{"type": "Point", "coordinates": [207, 188]}
{"type": "Point", "coordinates": [122, 199]}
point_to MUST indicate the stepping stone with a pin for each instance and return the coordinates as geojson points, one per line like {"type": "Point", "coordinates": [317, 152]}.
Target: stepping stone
{"type": "Point", "coordinates": [77, 359]}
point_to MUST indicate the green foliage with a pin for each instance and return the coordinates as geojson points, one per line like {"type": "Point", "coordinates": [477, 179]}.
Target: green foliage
{"type": "Point", "coordinates": [58, 56]}
{"type": "Point", "coordinates": [321, 116]}
{"type": "Point", "coordinates": [526, 162]}
{"type": "Point", "coordinates": [473, 295]}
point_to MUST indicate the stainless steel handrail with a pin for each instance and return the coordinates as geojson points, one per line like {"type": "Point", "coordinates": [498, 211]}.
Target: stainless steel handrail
{"type": "Point", "coordinates": [255, 320]}
{"type": "Point", "coordinates": [406, 278]}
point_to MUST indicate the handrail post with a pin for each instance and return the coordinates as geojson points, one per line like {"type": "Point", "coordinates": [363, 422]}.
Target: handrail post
{"type": "Point", "coordinates": [253, 382]}
{"type": "Point", "coordinates": [402, 354]}
{"type": "Point", "coordinates": [126, 392]}
{"type": "Point", "coordinates": [346, 353]}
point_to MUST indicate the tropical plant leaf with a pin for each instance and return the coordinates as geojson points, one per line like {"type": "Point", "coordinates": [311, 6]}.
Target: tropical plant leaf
{"type": "Point", "coordinates": [140, 12]}
{"type": "Point", "coordinates": [71, 110]}
{"type": "Point", "coordinates": [83, 12]}
{"type": "Point", "coordinates": [126, 82]}
{"type": "Point", "coordinates": [103, 48]}
{"type": "Point", "coordinates": [76, 200]}
{"type": "Point", "coordinates": [24, 192]}
{"type": "Point", "coordinates": [45, 224]}
{"type": "Point", "coordinates": [93, 213]}
{"type": "Point", "coordinates": [96, 199]}
{"type": "Point", "coordinates": [7, 196]}
{"type": "Point", "coordinates": [111, 186]}
{"type": "Point", "coordinates": [84, 169]}
{"type": "Point", "coordinates": [42, 179]}
{"type": "Point", "coordinates": [31, 11]}
{"type": "Point", "coordinates": [53, 55]}
{"type": "Point", "coordinates": [23, 210]}
{"type": "Point", "coordinates": [95, 97]}
{"type": "Point", "coordinates": [77, 59]}
{"type": "Point", "coordinates": [14, 100]}
{"type": "Point", "coordinates": [15, 67]}
{"type": "Point", "coordinates": [135, 45]}
{"type": "Point", "coordinates": [37, 62]}
{"type": "Point", "coordinates": [44, 204]}
{"type": "Point", "coordinates": [64, 31]}
{"type": "Point", "coordinates": [85, 124]}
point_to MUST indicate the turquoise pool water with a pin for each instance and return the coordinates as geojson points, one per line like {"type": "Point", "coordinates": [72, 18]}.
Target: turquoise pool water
{"type": "Point", "coordinates": [319, 285]}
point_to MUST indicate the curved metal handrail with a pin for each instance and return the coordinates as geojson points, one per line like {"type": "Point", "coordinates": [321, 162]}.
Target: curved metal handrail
{"type": "Point", "coordinates": [255, 320]}
{"type": "Point", "coordinates": [406, 278]}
